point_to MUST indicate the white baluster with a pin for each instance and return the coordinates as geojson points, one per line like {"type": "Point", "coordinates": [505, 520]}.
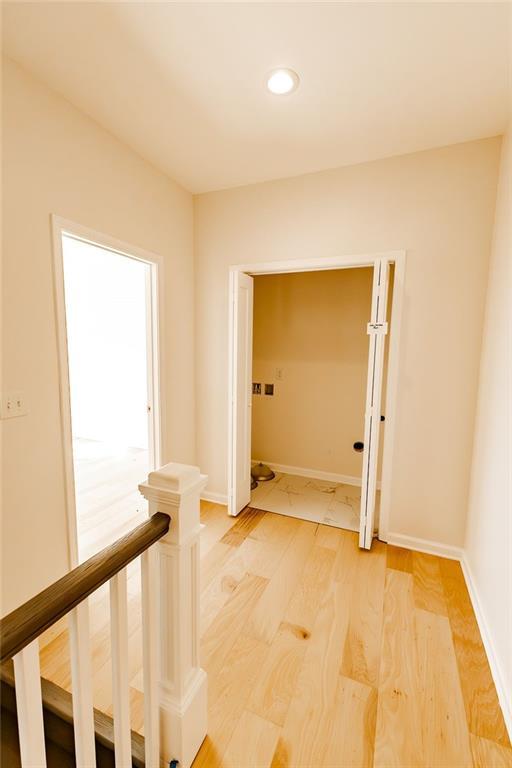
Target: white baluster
{"type": "Point", "coordinates": [120, 687]}
{"type": "Point", "coordinates": [150, 666]}
{"type": "Point", "coordinates": [83, 716]}
{"type": "Point", "coordinates": [175, 489]}
{"type": "Point", "coordinates": [29, 706]}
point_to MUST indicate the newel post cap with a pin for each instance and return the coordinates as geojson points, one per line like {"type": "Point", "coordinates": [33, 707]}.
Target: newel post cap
{"type": "Point", "coordinates": [172, 482]}
{"type": "Point", "coordinates": [174, 477]}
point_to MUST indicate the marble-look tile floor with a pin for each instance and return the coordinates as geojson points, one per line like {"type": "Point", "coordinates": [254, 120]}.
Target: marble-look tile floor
{"type": "Point", "coordinates": [306, 498]}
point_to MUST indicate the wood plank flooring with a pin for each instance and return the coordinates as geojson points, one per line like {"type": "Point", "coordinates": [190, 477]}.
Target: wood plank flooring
{"type": "Point", "coordinates": [108, 503]}
{"type": "Point", "coordinates": [319, 654]}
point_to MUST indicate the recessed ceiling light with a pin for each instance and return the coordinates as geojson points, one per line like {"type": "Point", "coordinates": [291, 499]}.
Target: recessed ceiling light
{"type": "Point", "coordinates": [281, 81]}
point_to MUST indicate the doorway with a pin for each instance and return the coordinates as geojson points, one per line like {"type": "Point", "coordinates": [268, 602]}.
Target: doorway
{"type": "Point", "coordinates": [106, 308]}
{"type": "Point", "coordinates": [326, 480]}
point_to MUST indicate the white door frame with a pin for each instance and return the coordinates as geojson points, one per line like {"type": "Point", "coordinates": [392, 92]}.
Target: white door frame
{"type": "Point", "coordinates": [398, 258]}
{"type": "Point", "coordinates": [154, 293]}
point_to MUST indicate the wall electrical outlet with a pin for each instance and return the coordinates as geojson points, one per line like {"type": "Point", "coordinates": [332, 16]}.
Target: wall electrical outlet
{"type": "Point", "coordinates": [256, 388]}
{"type": "Point", "coordinates": [13, 404]}
{"type": "Point", "coordinates": [269, 389]}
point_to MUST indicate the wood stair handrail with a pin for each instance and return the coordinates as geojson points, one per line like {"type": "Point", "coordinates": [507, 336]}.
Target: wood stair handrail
{"type": "Point", "coordinates": [31, 619]}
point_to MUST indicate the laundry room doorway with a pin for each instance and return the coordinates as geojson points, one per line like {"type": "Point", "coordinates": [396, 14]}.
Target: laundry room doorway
{"type": "Point", "coordinates": [313, 372]}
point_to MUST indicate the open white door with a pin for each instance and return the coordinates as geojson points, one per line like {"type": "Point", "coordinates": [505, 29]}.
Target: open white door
{"type": "Point", "coordinates": [377, 330]}
{"type": "Point", "coordinates": [241, 395]}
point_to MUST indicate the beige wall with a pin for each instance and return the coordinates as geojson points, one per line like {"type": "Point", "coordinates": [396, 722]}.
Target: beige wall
{"type": "Point", "coordinates": [489, 529]}
{"type": "Point", "coordinates": [439, 205]}
{"type": "Point", "coordinates": [56, 160]}
{"type": "Point", "coordinates": [312, 326]}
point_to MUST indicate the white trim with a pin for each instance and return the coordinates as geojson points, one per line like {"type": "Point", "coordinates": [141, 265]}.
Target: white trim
{"type": "Point", "coordinates": [81, 685]}
{"type": "Point", "coordinates": [153, 295]}
{"type": "Point", "coordinates": [504, 696]}
{"type": "Point", "coordinates": [60, 227]}
{"type": "Point", "coordinates": [65, 398]}
{"type": "Point", "coordinates": [231, 392]}
{"type": "Point", "coordinates": [390, 409]}
{"type": "Point", "coordinates": [424, 545]}
{"type": "Point", "coordinates": [119, 663]}
{"type": "Point", "coordinates": [29, 706]}
{"type": "Point", "coordinates": [216, 498]}
{"type": "Point", "coordinates": [315, 474]}
{"type": "Point", "coordinates": [319, 264]}
{"type": "Point", "coordinates": [151, 634]}
{"type": "Point", "coordinates": [316, 265]}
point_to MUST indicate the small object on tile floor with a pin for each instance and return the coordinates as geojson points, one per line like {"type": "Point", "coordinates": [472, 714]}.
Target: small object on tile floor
{"type": "Point", "coordinates": [254, 484]}
{"type": "Point", "coordinates": [262, 472]}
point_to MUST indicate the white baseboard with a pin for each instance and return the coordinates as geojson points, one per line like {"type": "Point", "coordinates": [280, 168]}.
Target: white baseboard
{"type": "Point", "coordinates": [217, 498]}
{"type": "Point", "coordinates": [504, 696]}
{"type": "Point", "coordinates": [315, 474]}
{"type": "Point", "coordinates": [424, 545]}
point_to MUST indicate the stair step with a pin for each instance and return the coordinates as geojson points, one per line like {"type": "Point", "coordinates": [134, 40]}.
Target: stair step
{"type": "Point", "coordinates": [58, 727]}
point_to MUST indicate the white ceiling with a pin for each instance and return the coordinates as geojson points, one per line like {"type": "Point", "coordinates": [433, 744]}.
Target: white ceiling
{"type": "Point", "coordinates": [184, 84]}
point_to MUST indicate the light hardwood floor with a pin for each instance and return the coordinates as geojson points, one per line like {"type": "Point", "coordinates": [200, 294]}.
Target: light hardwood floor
{"type": "Point", "coordinates": [319, 654]}
{"type": "Point", "coordinates": [108, 503]}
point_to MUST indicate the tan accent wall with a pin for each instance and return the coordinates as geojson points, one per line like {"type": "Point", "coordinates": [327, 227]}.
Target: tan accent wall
{"type": "Point", "coordinates": [310, 328]}
{"type": "Point", "coordinates": [56, 160]}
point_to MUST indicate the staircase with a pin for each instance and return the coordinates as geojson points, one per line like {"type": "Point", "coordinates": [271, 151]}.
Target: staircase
{"type": "Point", "coordinates": [44, 725]}
{"type": "Point", "coordinates": [58, 728]}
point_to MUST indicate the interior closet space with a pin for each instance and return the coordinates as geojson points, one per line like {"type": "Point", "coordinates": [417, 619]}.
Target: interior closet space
{"type": "Point", "coordinates": [309, 395]}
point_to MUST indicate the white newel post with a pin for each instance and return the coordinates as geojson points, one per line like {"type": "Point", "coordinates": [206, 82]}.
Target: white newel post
{"type": "Point", "coordinates": [175, 489]}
